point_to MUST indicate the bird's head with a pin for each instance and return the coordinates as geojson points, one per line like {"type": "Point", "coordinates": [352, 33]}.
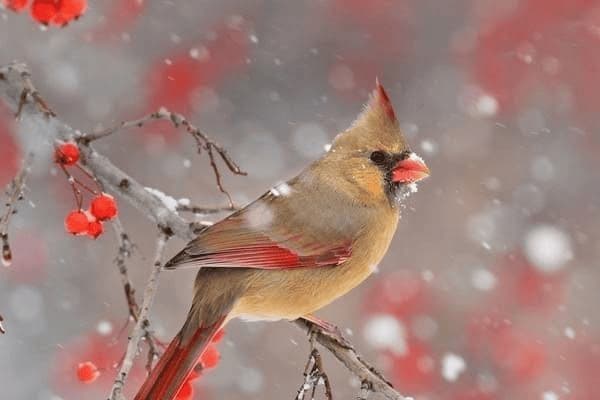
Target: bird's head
{"type": "Point", "coordinates": [372, 156]}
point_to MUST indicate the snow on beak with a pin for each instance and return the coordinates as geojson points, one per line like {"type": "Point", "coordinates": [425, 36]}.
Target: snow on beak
{"type": "Point", "coordinates": [411, 169]}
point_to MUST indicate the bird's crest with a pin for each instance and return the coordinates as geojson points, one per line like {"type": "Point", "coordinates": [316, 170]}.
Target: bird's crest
{"type": "Point", "coordinates": [376, 125]}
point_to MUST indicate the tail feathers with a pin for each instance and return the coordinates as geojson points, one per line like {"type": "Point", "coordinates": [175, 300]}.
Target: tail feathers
{"type": "Point", "coordinates": [178, 361]}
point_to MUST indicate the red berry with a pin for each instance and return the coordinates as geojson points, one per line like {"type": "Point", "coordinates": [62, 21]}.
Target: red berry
{"type": "Point", "coordinates": [95, 229]}
{"type": "Point", "coordinates": [16, 5]}
{"type": "Point", "coordinates": [218, 336]}
{"type": "Point", "coordinates": [186, 392]}
{"type": "Point", "coordinates": [69, 10]}
{"type": "Point", "coordinates": [87, 372]}
{"type": "Point", "coordinates": [44, 11]}
{"type": "Point", "coordinates": [210, 358]}
{"type": "Point", "coordinates": [104, 207]}
{"type": "Point", "coordinates": [195, 374]}
{"type": "Point", "coordinates": [415, 368]}
{"type": "Point", "coordinates": [67, 154]}
{"type": "Point", "coordinates": [77, 223]}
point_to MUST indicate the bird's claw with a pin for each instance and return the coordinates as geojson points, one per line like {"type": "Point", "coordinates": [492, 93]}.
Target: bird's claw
{"type": "Point", "coordinates": [328, 329]}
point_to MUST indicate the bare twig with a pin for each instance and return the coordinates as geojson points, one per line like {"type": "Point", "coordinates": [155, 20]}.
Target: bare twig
{"type": "Point", "coordinates": [203, 210]}
{"type": "Point", "coordinates": [314, 373]}
{"type": "Point", "coordinates": [14, 193]}
{"type": "Point", "coordinates": [125, 251]}
{"type": "Point", "coordinates": [26, 89]}
{"type": "Point", "coordinates": [365, 390]}
{"type": "Point", "coordinates": [350, 358]}
{"type": "Point", "coordinates": [203, 142]}
{"type": "Point", "coordinates": [142, 323]}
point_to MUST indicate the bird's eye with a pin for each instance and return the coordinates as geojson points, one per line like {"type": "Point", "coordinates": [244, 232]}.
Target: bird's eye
{"type": "Point", "coordinates": [378, 157]}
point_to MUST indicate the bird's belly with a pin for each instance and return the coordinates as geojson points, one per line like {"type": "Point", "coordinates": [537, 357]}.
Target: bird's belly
{"type": "Point", "coordinates": [290, 294]}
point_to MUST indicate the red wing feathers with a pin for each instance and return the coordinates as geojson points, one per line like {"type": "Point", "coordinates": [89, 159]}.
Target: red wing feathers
{"type": "Point", "coordinates": [243, 240]}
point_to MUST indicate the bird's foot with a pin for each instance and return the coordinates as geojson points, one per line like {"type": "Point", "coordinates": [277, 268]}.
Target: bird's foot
{"type": "Point", "coordinates": [329, 329]}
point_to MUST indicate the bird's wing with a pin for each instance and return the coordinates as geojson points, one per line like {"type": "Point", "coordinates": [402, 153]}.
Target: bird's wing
{"type": "Point", "coordinates": [259, 236]}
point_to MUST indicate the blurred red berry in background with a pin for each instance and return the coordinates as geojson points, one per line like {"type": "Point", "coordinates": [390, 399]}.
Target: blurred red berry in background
{"type": "Point", "coordinates": [520, 355]}
{"type": "Point", "coordinates": [104, 351]}
{"type": "Point", "coordinates": [120, 16]}
{"type": "Point", "coordinates": [472, 393]}
{"type": "Point", "coordinates": [521, 284]}
{"type": "Point", "coordinates": [186, 392]}
{"type": "Point", "coordinates": [210, 358]}
{"type": "Point", "coordinates": [218, 336]}
{"type": "Point", "coordinates": [175, 79]}
{"type": "Point", "coordinates": [9, 151]}
{"type": "Point", "coordinates": [402, 293]}
{"type": "Point", "coordinates": [540, 45]}
{"type": "Point", "coordinates": [415, 371]}
{"type": "Point", "coordinates": [87, 372]}
{"type": "Point", "coordinates": [16, 5]}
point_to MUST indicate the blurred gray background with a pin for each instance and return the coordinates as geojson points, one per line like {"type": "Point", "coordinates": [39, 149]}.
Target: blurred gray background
{"type": "Point", "coordinates": [490, 288]}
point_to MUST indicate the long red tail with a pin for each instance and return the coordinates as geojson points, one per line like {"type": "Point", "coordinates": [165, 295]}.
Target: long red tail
{"type": "Point", "coordinates": [169, 374]}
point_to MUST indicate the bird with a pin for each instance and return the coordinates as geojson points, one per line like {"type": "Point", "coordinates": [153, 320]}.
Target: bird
{"type": "Point", "coordinates": [299, 246]}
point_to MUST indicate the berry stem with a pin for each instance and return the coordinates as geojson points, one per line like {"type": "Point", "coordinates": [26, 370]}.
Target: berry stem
{"type": "Point", "coordinates": [76, 192]}
{"type": "Point", "coordinates": [91, 177]}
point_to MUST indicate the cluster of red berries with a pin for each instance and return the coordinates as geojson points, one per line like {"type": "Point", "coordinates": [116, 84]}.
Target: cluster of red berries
{"type": "Point", "coordinates": [102, 208]}
{"type": "Point", "coordinates": [56, 12]}
{"type": "Point", "coordinates": [209, 359]}
{"type": "Point", "coordinates": [90, 222]}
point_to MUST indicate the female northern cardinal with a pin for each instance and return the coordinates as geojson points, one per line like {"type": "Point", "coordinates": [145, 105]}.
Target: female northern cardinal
{"type": "Point", "coordinates": [299, 246]}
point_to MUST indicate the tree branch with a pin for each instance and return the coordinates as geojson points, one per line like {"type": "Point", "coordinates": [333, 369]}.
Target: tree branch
{"type": "Point", "coordinates": [125, 251]}
{"type": "Point", "coordinates": [348, 356]}
{"type": "Point", "coordinates": [314, 373]}
{"type": "Point", "coordinates": [141, 326]}
{"type": "Point", "coordinates": [14, 193]}
{"type": "Point", "coordinates": [199, 210]}
{"type": "Point", "coordinates": [203, 142]}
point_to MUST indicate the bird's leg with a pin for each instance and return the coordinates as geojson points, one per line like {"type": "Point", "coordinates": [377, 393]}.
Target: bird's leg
{"type": "Point", "coordinates": [325, 325]}
{"type": "Point", "coordinates": [328, 328]}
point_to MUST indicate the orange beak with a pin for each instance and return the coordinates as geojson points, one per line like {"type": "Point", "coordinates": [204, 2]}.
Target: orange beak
{"type": "Point", "coordinates": [409, 170]}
